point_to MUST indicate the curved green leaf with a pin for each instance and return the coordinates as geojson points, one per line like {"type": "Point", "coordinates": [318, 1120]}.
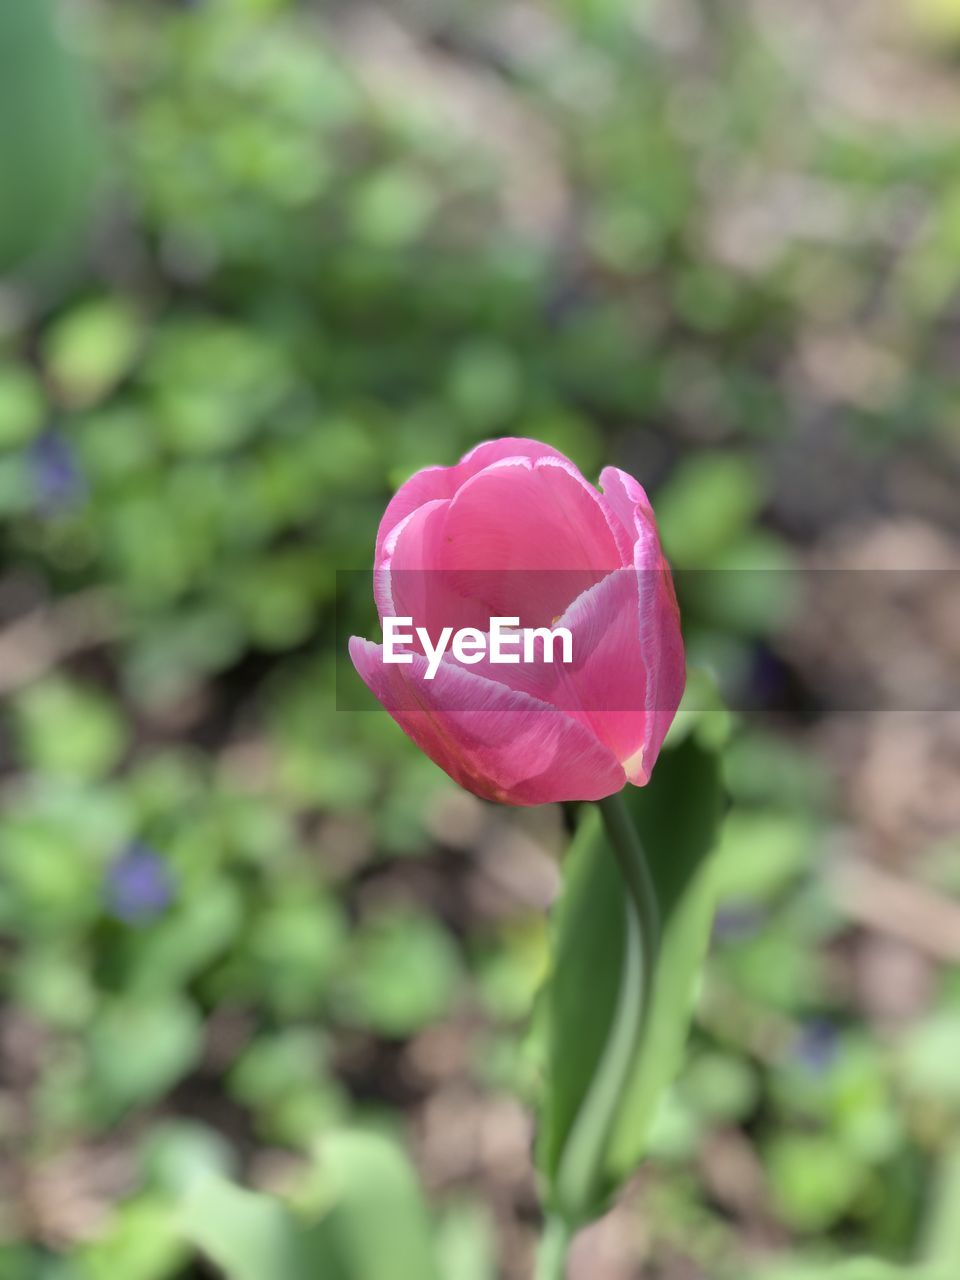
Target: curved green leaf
{"type": "Point", "coordinates": [676, 818]}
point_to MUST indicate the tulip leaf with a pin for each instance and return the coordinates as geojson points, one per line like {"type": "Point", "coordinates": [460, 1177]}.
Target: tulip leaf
{"type": "Point", "coordinates": [676, 818]}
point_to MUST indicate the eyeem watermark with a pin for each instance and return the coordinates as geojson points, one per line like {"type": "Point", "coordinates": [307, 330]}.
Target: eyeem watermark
{"type": "Point", "coordinates": [506, 642]}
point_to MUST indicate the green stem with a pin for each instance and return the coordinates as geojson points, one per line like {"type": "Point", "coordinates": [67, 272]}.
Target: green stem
{"type": "Point", "coordinates": [552, 1254]}
{"type": "Point", "coordinates": [635, 871]}
{"type": "Point", "coordinates": [579, 1181]}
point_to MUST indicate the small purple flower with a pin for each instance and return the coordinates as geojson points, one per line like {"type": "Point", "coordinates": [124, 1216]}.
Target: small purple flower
{"type": "Point", "coordinates": [139, 885]}
{"type": "Point", "coordinates": [817, 1046]}
{"type": "Point", "coordinates": [57, 480]}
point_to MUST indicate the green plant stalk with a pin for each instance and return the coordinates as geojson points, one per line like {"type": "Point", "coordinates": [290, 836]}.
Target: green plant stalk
{"type": "Point", "coordinates": [580, 1177]}
{"type": "Point", "coordinates": [941, 1236]}
{"type": "Point", "coordinates": [636, 873]}
{"type": "Point", "coordinates": [552, 1254]}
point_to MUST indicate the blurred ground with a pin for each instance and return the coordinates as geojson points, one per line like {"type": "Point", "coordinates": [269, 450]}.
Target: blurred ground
{"type": "Point", "coordinates": [716, 244]}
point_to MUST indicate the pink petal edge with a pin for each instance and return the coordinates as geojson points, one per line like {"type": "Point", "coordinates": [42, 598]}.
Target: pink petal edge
{"type": "Point", "coordinates": [500, 744]}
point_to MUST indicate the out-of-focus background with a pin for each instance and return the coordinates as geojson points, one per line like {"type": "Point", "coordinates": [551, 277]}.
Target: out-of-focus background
{"type": "Point", "coordinates": [262, 260]}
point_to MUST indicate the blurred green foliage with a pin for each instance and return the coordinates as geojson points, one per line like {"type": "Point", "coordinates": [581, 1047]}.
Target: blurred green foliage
{"type": "Point", "coordinates": [50, 143]}
{"type": "Point", "coordinates": [336, 245]}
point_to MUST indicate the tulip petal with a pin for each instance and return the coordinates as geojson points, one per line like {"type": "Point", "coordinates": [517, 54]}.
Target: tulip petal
{"type": "Point", "coordinates": [610, 675]}
{"type": "Point", "coordinates": [443, 482]}
{"type": "Point", "coordinates": [605, 685]}
{"type": "Point", "coordinates": [660, 622]}
{"type": "Point", "coordinates": [498, 743]}
{"type": "Point", "coordinates": [527, 537]}
{"type": "Point", "coordinates": [661, 642]}
{"type": "Point", "coordinates": [627, 499]}
{"type": "Point", "coordinates": [622, 537]}
{"type": "Point", "coordinates": [407, 584]}
{"type": "Point", "coordinates": [626, 676]}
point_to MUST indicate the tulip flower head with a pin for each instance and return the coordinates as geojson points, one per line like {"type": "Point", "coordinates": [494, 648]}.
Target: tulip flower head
{"type": "Point", "coordinates": [476, 567]}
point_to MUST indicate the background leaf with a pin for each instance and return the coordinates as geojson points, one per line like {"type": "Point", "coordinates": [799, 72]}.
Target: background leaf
{"type": "Point", "coordinates": [251, 1236]}
{"type": "Point", "coordinates": [373, 1222]}
{"type": "Point", "coordinates": [855, 1269]}
{"type": "Point", "coordinates": [48, 159]}
{"type": "Point", "coordinates": [379, 1227]}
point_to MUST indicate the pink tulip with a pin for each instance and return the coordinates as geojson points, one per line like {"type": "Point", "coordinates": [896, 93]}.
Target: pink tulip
{"type": "Point", "coordinates": [515, 530]}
